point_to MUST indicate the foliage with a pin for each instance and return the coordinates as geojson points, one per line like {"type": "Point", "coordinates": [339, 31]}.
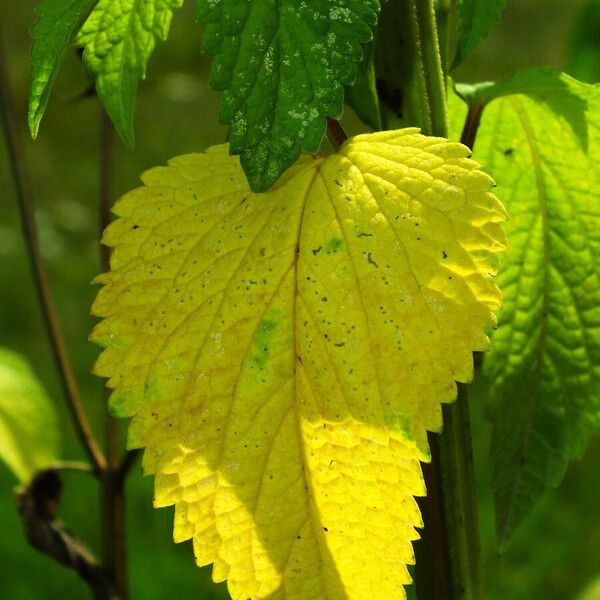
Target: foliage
{"type": "Point", "coordinates": [347, 300]}
{"type": "Point", "coordinates": [118, 38]}
{"type": "Point", "coordinates": [29, 433]}
{"type": "Point", "coordinates": [540, 136]}
{"type": "Point", "coordinates": [58, 22]}
{"type": "Point", "coordinates": [284, 69]}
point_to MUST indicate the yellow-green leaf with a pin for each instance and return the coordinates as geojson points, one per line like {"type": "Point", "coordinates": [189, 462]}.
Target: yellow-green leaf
{"type": "Point", "coordinates": [29, 424]}
{"type": "Point", "coordinates": [283, 354]}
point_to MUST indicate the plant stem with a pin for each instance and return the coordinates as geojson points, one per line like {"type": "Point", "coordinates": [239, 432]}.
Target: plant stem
{"type": "Point", "coordinates": [335, 134]}
{"type": "Point", "coordinates": [399, 67]}
{"type": "Point", "coordinates": [460, 499]}
{"type": "Point", "coordinates": [433, 575]}
{"type": "Point", "coordinates": [128, 462]}
{"type": "Point", "coordinates": [443, 27]}
{"type": "Point", "coordinates": [447, 565]}
{"type": "Point", "coordinates": [38, 503]}
{"type": "Point", "coordinates": [25, 201]}
{"type": "Point", "coordinates": [114, 558]}
{"type": "Point", "coordinates": [71, 465]}
{"type": "Point", "coordinates": [471, 125]}
{"type": "Point", "coordinates": [113, 530]}
{"type": "Point", "coordinates": [432, 66]}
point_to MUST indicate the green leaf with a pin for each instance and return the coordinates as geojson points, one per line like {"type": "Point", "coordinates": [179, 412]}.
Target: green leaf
{"type": "Point", "coordinates": [541, 141]}
{"type": "Point", "coordinates": [118, 39]}
{"type": "Point", "coordinates": [475, 20]}
{"type": "Point", "coordinates": [283, 67]}
{"type": "Point", "coordinates": [362, 95]}
{"type": "Point", "coordinates": [584, 50]}
{"type": "Point", "coordinates": [57, 24]}
{"type": "Point", "coordinates": [29, 428]}
{"type": "Point", "coordinates": [284, 354]}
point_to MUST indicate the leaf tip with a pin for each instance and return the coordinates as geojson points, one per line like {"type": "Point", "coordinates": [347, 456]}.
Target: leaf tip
{"type": "Point", "coordinates": [34, 117]}
{"type": "Point", "coordinates": [125, 131]}
{"type": "Point", "coordinates": [34, 126]}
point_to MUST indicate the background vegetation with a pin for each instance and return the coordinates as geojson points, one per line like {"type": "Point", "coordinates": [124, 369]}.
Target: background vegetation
{"type": "Point", "coordinates": [553, 556]}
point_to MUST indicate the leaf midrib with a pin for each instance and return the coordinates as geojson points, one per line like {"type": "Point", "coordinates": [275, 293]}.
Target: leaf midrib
{"type": "Point", "coordinates": [296, 359]}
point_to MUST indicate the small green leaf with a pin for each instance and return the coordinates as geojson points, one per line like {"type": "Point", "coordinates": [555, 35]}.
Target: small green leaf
{"type": "Point", "coordinates": [118, 38]}
{"type": "Point", "coordinates": [57, 24]}
{"type": "Point", "coordinates": [29, 429]}
{"type": "Point", "coordinates": [540, 140]}
{"type": "Point", "coordinates": [283, 67]}
{"type": "Point", "coordinates": [362, 95]}
{"type": "Point", "coordinates": [475, 19]}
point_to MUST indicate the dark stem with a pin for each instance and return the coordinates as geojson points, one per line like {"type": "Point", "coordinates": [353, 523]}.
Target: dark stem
{"type": "Point", "coordinates": [448, 556]}
{"type": "Point", "coordinates": [113, 530]}
{"type": "Point", "coordinates": [447, 565]}
{"type": "Point", "coordinates": [472, 121]}
{"type": "Point", "coordinates": [26, 208]}
{"type": "Point", "coordinates": [460, 499]}
{"type": "Point", "coordinates": [432, 567]}
{"type": "Point", "coordinates": [128, 462]}
{"type": "Point", "coordinates": [335, 134]}
{"type": "Point", "coordinates": [459, 480]}
{"type": "Point", "coordinates": [38, 503]}
{"type": "Point", "coordinates": [113, 484]}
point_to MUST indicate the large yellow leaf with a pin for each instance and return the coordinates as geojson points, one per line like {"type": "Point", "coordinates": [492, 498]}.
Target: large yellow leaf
{"type": "Point", "coordinates": [283, 354]}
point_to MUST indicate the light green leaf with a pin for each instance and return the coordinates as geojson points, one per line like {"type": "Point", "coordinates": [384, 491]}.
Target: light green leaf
{"type": "Point", "coordinates": [118, 38]}
{"type": "Point", "coordinates": [283, 67]}
{"type": "Point", "coordinates": [543, 146]}
{"type": "Point", "coordinates": [29, 429]}
{"type": "Point", "coordinates": [475, 19]}
{"type": "Point", "coordinates": [362, 95]}
{"type": "Point", "coordinates": [57, 24]}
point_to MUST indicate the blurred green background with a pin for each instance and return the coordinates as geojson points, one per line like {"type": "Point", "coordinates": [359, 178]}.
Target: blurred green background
{"type": "Point", "coordinates": [555, 554]}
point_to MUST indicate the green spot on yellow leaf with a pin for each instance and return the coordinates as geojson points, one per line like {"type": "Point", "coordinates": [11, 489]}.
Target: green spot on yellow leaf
{"type": "Point", "coordinates": [261, 343]}
{"type": "Point", "coordinates": [333, 245]}
{"type": "Point", "coordinates": [297, 479]}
